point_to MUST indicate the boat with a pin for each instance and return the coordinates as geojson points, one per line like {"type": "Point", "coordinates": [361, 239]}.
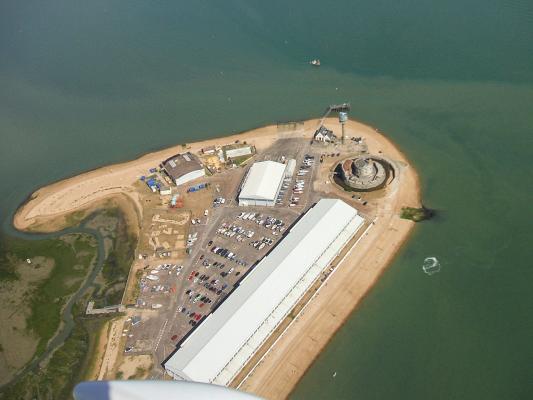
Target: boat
{"type": "Point", "coordinates": [315, 62]}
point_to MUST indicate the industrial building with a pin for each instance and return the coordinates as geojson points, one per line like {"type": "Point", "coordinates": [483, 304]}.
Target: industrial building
{"type": "Point", "coordinates": [238, 152]}
{"type": "Point", "coordinates": [226, 340]}
{"type": "Point", "coordinates": [262, 183]}
{"type": "Point", "coordinates": [183, 168]}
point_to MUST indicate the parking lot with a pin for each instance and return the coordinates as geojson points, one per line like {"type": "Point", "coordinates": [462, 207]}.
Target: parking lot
{"type": "Point", "coordinates": [233, 245]}
{"type": "Point", "coordinates": [176, 296]}
{"type": "Point", "coordinates": [223, 244]}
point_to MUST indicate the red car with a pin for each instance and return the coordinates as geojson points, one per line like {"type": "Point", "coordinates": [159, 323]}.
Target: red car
{"type": "Point", "coordinates": [198, 316]}
{"type": "Point", "coordinates": [174, 337]}
{"type": "Point", "coordinates": [202, 304]}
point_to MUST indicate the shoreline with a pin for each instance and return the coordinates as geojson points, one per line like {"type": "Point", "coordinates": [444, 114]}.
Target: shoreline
{"type": "Point", "coordinates": [23, 222]}
{"type": "Point", "coordinates": [278, 373]}
{"type": "Point", "coordinates": [356, 305]}
{"type": "Point", "coordinates": [283, 365]}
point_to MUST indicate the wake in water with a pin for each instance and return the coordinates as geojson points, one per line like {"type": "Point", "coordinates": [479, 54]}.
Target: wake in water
{"type": "Point", "coordinates": [431, 265]}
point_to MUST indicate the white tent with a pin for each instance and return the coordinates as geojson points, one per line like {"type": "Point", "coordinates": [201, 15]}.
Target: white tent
{"type": "Point", "coordinates": [262, 184]}
{"type": "Point", "coordinates": [221, 346]}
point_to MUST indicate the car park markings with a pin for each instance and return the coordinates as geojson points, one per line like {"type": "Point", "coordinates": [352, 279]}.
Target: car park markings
{"type": "Point", "coordinates": [161, 334]}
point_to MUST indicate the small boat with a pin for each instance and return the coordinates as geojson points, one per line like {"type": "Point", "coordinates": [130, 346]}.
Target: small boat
{"type": "Point", "coordinates": [315, 62]}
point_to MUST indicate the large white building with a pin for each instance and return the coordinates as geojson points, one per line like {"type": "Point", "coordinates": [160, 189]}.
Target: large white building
{"type": "Point", "coordinates": [262, 184]}
{"type": "Point", "coordinates": [223, 343]}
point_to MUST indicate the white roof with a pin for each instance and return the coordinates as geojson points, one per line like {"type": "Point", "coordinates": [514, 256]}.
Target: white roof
{"type": "Point", "coordinates": [263, 181]}
{"type": "Point", "coordinates": [221, 345]}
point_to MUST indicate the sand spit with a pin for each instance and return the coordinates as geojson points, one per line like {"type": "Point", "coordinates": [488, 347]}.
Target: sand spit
{"type": "Point", "coordinates": [285, 363]}
{"type": "Point", "coordinates": [65, 197]}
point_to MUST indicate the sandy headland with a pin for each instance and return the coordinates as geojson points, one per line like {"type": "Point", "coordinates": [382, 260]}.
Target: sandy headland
{"type": "Point", "coordinates": [47, 207]}
{"type": "Point", "coordinates": [276, 368]}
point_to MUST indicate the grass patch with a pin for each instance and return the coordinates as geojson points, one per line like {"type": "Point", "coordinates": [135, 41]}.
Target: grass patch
{"type": "Point", "coordinates": [416, 214]}
{"type": "Point", "coordinates": [117, 265]}
{"type": "Point", "coordinates": [137, 288]}
{"type": "Point", "coordinates": [118, 262]}
{"type": "Point", "coordinates": [114, 296]}
{"type": "Point", "coordinates": [74, 218]}
{"type": "Point", "coordinates": [72, 255]}
{"type": "Point", "coordinates": [10, 255]}
{"type": "Point", "coordinates": [66, 367]}
{"type": "Point", "coordinates": [240, 160]}
{"type": "Point", "coordinates": [49, 297]}
{"type": "Point", "coordinates": [94, 326]}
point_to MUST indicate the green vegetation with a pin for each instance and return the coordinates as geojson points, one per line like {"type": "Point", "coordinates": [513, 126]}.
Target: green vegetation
{"type": "Point", "coordinates": [72, 255]}
{"type": "Point", "coordinates": [137, 289]}
{"type": "Point", "coordinates": [8, 261]}
{"type": "Point", "coordinates": [65, 368]}
{"type": "Point", "coordinates": [416, 214]}
{"type": "Point", "coordinates": [50, 296]}
{"type": "Point", "coordinates": [73, 219]}
{"type": "Point", "coordinates": [240, 160]}
{"type": "Point", "coordinates": [118, 263]}
{"type": "Point", "coordinates": [139, 373]}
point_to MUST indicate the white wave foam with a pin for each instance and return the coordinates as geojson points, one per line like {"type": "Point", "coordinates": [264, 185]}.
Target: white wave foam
{"type": "Point", "coordinates": [431, 265]}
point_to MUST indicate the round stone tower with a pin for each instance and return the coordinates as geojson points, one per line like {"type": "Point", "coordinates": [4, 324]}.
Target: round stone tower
{"type": "Point", "coordinates": [364, 168]}
{"type": "Point", "coordinates": [364, 173]}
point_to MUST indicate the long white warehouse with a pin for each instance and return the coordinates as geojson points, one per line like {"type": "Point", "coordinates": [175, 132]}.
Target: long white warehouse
{"type": "Point", "coordinates": [220, 347]}
{"type": "Point", "coordinates": [262, 183]}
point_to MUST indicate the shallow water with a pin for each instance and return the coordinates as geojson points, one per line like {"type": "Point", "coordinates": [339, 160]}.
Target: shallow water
{"type": "Point", "coordinates": [451, 82]}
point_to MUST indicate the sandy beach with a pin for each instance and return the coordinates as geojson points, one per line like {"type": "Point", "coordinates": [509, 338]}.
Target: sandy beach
{"type": "Point", "coordinates": [286, 362]}
{"type": "Point", "coordinates": [46, 209]}
{"type": "Point", "coordinates": [284, 365]}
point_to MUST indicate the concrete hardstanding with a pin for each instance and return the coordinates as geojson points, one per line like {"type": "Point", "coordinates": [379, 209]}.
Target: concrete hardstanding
{"type": "Point", "coordinates": [225, 341]}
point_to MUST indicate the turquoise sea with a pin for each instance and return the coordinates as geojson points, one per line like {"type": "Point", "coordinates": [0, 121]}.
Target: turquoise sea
{"type": "Point", "coordinates": [83, 84]}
